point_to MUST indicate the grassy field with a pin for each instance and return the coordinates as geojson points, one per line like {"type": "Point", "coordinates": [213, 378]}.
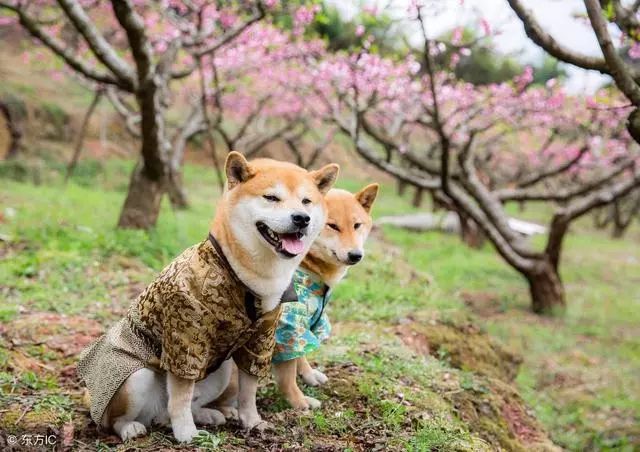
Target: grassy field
{"type": "Point", "coordinates": [410, 365]}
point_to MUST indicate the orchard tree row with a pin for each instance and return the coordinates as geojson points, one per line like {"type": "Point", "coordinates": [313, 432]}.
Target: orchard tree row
{"type": "Point", "coordinates": [248, 73]}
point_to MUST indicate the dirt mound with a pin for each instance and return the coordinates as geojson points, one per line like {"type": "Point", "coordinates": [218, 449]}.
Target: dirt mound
{"type": "Point", "coordinates": [464, 346]}
{"type": "Point", "coordinates": [489, 404]}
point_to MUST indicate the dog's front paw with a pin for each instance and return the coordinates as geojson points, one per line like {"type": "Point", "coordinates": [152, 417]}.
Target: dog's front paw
{"type": "Point", "coordinates": [229, 412]}
{"type": "Point", "coordinates": [262, 426]}
{"type": "Point", "coordinates": [313, 403]}
{"type": "Point", "coordinates": [184, 433]}
{"type": "Point", "coordinates": [207, 416]}
{"type": "Point", "coordinates": [132, 430]}
{"type": "Point", "coordinates": [253, 421]}
{"type": "Point", "coordinates": [314, 378]}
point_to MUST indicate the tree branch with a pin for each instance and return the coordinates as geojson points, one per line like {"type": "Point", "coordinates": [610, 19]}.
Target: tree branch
{"type": "Point", "coordinates": [566, 195]}
{"type": "Point", "coordinates": [601, 197]}
{"type": "Point", "coordinates": [232, 33]}
{"type": "Point", "coordinates": [138, 41]}
{"type": "Point", "coordinates": [537, 34]}
{"type": "Point", "coordinates": [489, 205]}
{"type": "Point", "coordinates": [618, 69]}
{"type": "Point", "coordinates": [97, 43]}
{"type": "Point", "coordinates": [58, 48]}
{"type": "Point", "coordinates": [130, 117]}
{"type": "Point", "coordinates": [83, 131]}
{"type": "Point", "coordinates": [545, 174]}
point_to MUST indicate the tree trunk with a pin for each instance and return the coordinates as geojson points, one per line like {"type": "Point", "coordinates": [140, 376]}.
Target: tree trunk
{"type": "Point", "coordinates": [618, 230]}
{"type": "Point", "coordinates": [401, 187]}
{"type": "Point", "coordinates": [142, 205]}
{"type": "Point", "coordinates": [547, 291]}
{"type": "Point", "coordinates": [175, 189]}
{"type": "Point", "coordinates": [417, 197]}
{"type": "Point", "coordinates": [470, 233]}
{"type": "Point", "coordinates": [14, 131]}
{"type": "Point", "coordinates": [151, 176]}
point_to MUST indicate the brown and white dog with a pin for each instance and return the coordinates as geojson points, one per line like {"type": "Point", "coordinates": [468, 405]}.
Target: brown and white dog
{"type": "Point", "coordinates": [267, 219]}
{"type": "Point", "coordinates": [339, 246]}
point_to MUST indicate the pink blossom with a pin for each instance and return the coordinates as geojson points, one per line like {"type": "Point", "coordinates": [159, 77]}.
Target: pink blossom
{"type": "Point", "coordinates": [371, 9]}
{"type": "Point", "coordinates": [456, 37]}
{"type": "Point", "coordinates": [486, 27]}
{"type": "Point", "coordinates": [525, 78]}
{"type": "Point", "coordinates": [634, 51]}
{"type": "Point", "coordinates": [6, 20]}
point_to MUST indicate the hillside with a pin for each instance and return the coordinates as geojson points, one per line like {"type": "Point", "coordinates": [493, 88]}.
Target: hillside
{"type": "Point", "coordinates": [434, 347]}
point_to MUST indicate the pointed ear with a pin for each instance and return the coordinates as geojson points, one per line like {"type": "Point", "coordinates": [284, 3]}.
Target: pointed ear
{"type": "Point", "coordinates": [325, 177]}
{"type": "Point", "coordinates": [367, 196]}
{"type": "Point", "coordinates": [237, 169]}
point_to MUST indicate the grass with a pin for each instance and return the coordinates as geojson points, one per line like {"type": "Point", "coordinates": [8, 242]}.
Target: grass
{"type": "Point", "coordinates": [580, 370]}
{"type": "Point", "coordinates": [62, 257]}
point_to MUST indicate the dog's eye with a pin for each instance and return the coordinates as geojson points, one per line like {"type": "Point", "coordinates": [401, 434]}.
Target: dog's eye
{"type": "Point", "coordinates": [357, 225]}
{"type": "Point", "coordinates": [271, 198]}
{"type": "Point", "coordinates": [333, 226]}
{"type": "Point", "coordinates": [306, 201]}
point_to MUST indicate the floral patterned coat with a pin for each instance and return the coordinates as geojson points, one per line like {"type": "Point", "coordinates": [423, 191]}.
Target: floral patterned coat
{"type": "Point", "coordinates": [304, 324]}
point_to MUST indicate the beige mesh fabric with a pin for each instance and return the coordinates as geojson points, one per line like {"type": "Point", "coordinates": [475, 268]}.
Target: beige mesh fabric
{"type": "Point", "coordinates": [107, 363]}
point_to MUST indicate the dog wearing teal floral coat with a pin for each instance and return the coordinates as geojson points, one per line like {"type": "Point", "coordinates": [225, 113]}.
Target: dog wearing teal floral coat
{"type": "Point", "coordinates": [304, 324]}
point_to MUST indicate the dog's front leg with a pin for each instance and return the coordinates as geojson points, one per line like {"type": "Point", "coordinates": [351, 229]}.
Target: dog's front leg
{"type": "Point", "coordinates": [179, 407]}
{"type": "Point", "coordinates": [247, 410]}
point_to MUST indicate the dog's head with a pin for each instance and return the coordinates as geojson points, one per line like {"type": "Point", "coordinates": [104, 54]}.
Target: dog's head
{"type": "Point", "coordinates": [276, 206]}
{"type": "Point", "coordinates": [349, 222]}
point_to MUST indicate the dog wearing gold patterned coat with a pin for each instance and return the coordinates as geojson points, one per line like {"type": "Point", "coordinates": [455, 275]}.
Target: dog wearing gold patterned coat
{"type": "Point", "coordinates": [218, 301]}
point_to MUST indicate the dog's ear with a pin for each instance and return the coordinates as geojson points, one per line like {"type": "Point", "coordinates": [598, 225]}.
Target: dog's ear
{"type": "Point", "coordinates": [237, 169]}
{"type": "Point", "coordinates": [325, 177]}
{"type": "Point", "coordinates": [367, 196]}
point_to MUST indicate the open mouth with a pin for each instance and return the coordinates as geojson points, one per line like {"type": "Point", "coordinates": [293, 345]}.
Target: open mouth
{"type": "Point", "coordinates": [288, 244]}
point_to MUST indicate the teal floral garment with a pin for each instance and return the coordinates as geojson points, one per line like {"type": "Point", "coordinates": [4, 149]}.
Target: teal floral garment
{"type": "Point", "coordinates": [304, 323]}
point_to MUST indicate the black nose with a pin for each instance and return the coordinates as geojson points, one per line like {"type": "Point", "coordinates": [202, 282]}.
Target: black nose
{"type": "Point", "coordinates": [354, 257]}
{"type": "Point", "coordinates": [300, 219]}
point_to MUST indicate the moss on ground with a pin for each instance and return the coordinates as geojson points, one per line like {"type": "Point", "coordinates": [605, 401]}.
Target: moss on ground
{"type": "Point", "coordinates": [464, 346]}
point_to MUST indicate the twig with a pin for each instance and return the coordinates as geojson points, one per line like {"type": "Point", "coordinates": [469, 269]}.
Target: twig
{"type": "Point", "coordinates": [26, 409]}
{"type": "Point", "coordinates": [83, 132]}
{"type": "Point", "coordinates": [205, 114]}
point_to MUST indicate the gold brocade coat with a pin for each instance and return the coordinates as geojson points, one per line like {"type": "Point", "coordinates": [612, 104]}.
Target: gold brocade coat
{"type": "Point", "coordinates": [195, 315]}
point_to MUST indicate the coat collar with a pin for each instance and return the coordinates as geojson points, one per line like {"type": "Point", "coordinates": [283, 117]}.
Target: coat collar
{"type": "Point", "coordinates": [312, 281]}
{"type": "Point", "coordinates": [250, 297]}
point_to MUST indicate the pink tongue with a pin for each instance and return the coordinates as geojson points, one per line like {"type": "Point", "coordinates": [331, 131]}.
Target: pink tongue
{"type": "Point", "coordinates": [292, 244]}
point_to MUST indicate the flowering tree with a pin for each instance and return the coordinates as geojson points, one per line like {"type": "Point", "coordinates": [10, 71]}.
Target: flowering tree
{"type": "Point", "coordinates": [601, 13]}
{"type": "Point", "coordinates": [248, 96]}
{"type": "Point", "coordinates": [475, 149]}
{"type": "Point", "coordinates": [139, 51]}
{"type": "Point", "coordinates": [259, 88]}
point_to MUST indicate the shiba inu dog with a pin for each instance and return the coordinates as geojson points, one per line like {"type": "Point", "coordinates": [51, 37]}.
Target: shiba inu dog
{"type": "Point", "coordinates": [304, 324]}
{"type": "Point", "coordinates": [219, 300]}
